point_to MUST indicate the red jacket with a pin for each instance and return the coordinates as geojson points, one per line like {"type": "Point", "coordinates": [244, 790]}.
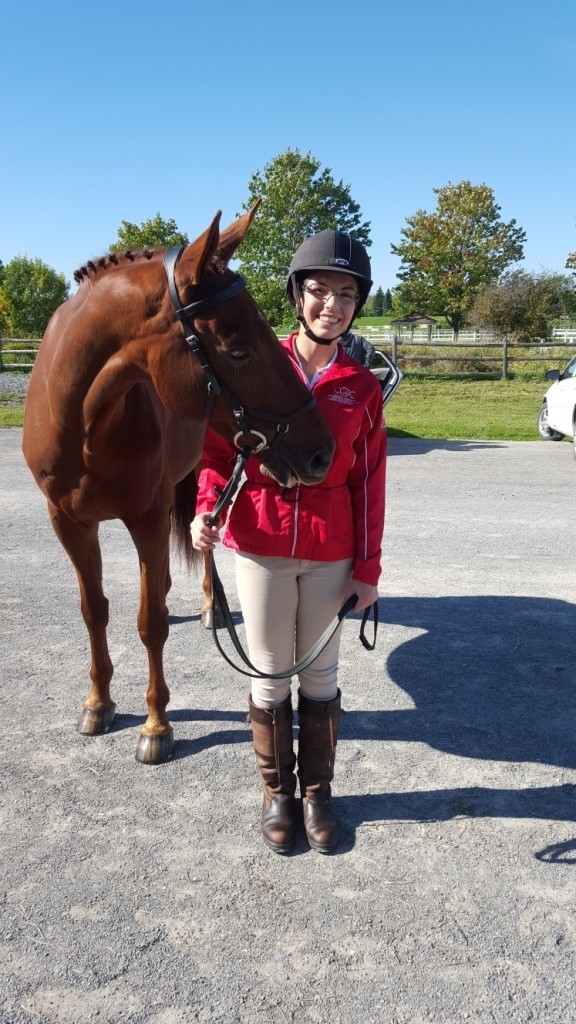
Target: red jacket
{"type": "Point", "coordinates": [343, 517]}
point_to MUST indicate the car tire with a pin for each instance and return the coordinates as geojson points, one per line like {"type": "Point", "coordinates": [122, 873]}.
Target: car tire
{"type": "Point", "coordinates": [543, 429]}
{"type": "Point", "coordinates": [574, 442]}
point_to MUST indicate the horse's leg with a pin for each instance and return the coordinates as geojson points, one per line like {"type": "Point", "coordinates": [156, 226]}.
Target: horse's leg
{"type": "Point", "coordinates": [151, 535]}
{"type": "Point", "coordinates": [80, 541]}
{"type": "Point", "coordinates": [206, 613]}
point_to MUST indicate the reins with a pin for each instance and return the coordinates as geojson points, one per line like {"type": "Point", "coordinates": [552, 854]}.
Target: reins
{"type": "Point", "coordinates": [219, 597]}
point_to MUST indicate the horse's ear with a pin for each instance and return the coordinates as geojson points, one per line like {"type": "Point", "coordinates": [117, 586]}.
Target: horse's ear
{"type": "Point", "coordinates": [232, 237]}
{"type": "Point", "coordinates": [197, 256]}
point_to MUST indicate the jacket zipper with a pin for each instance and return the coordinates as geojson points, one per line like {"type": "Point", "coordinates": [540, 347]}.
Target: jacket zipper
{"type": "Point", "coordinates": [295, 526]}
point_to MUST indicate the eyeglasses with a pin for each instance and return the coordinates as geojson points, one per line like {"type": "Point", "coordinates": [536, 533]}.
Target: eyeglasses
{"type": "Point", "coordinates": [322, 293]}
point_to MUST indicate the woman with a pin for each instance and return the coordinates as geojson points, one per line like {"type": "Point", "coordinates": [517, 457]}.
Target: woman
{"type": "Point", "coordinates": [302, 551]}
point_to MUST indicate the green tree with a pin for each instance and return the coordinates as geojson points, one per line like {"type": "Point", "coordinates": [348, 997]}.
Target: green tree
{"type": "Point", "coordinates": [148, 234]}
{"type": "Point", "coordinates": [6, 321]}
{"type": "Point", "coordinates": [33, 291]}
{"type": "Point", "coordinates": [378, 303]}
{"type": "Point", "coordinates": [522, 305]}
{"type": "Point", "coordinates": [298, 199]}
{"type": "Point", "coordinates": [387, 301]}
{"type": "Point", "coordinates": [447, 256]}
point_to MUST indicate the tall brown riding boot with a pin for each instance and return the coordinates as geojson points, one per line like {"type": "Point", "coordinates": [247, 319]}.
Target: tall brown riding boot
{"type": "Point", "coordinates": [319, 721]}
{"type": "Point", "coordinates": [274, 748]}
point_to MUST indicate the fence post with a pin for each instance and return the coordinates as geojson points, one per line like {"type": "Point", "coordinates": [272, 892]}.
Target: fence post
{"type": "Point", "coordinates": [395, 348]}
{"type": "Point", "coordinates": [505, 358]}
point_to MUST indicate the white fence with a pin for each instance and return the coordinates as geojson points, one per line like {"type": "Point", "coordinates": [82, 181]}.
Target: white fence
{"type": "Point", "coordinates": [425, 335]}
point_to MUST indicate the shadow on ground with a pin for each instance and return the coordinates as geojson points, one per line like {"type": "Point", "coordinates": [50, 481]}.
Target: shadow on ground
{"type": "Point", "coordinates": [490, 678]}
{"type": "Point", "coordinates": [413, 445]}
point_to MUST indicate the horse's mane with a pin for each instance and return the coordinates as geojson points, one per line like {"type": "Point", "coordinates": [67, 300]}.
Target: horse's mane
{"type": "Point", "coordinates": [113, 259]}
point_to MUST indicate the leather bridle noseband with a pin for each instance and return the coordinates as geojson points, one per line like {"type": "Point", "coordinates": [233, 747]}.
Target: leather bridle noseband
{"type": "Point", "coordinates": [186, 316]}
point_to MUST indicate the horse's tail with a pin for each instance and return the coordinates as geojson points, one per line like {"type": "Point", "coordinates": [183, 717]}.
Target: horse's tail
{"type": "Point", "coordinates": [181, 515]}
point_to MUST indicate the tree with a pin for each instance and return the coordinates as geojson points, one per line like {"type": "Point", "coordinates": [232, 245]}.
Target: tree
{"type": "Point", "coordinates": [6, 322]}
{"type": "Point", "coordinates": [149, 234]}
{"type": "Point", "coordinates": [447, 256]}
{"type": "Point", "coordinates": [522, 305]}
{"type": "Point", "coordinates": [378, 303]}
{"type": "Point", "coordinates": [387, 301]}
{"type": "Point", "coordinates": [33, 291]}
{"type": "Point", "coordinates": [298, 199]}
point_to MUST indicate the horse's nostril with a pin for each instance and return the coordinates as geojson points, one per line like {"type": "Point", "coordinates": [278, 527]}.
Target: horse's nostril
{"type": "Point", "coordinates": [320, 463]}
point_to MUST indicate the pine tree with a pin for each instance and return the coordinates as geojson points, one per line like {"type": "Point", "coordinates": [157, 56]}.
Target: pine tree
{"type": "Point", "coordinates": [378, 304]}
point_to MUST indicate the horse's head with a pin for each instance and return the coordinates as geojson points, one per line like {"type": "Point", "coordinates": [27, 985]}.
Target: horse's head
{"type": "Point", "coordinates": [261, 401]}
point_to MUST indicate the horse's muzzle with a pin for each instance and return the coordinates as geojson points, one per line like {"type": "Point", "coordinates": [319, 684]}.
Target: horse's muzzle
{"type": "Point", "coordinates": [306, 470]}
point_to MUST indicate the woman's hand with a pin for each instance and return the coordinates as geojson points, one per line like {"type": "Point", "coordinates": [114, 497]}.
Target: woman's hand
{"type": "Point", "coordinates": [204, 537]}
{"type": "Point", "coordinates": [367, 594]}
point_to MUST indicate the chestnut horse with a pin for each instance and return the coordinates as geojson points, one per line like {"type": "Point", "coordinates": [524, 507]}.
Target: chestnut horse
{"type": "Point", "coordinates": [129, 372]}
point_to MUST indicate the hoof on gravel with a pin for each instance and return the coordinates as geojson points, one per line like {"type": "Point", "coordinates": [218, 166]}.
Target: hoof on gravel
{"type": "Point", "coordinates": [156, 748]}
{"type": "Point", "coordinates": [206, 619]}
{"type": "Point", "coordinates": [94, 721]}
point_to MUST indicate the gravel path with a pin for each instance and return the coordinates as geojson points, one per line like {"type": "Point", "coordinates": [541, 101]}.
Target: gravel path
{"type": "Point", "coordinates": [134, 895]}
{"type": "Point", "coordinates": [14, 383]}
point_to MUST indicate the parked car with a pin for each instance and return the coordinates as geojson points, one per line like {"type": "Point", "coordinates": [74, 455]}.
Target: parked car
{"type": "Point", "coordinates": [557, 415]}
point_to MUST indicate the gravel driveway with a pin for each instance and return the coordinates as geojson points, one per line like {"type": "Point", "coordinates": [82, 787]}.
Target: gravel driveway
{"type": "Point", "coordinates": [145, 894]}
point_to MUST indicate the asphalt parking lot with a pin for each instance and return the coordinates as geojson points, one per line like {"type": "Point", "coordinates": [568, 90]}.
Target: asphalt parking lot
{"type": "Point", "coordinates": [145, 895]}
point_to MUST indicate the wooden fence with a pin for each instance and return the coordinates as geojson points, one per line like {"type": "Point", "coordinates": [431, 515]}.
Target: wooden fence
{"type": "Point", "coordinates": [409, 348]}
{"type": "Point", "coordinates": [422, 347]}
{"type": "Point", "coordinates": [18, 353]}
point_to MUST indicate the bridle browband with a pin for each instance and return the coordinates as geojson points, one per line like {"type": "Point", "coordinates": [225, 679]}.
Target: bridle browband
{"type": "Point", "coordinates": [186, 314]}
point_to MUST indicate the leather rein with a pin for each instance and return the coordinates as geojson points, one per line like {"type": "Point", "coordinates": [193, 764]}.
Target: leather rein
{"type": "Point", "coordinates": [186, 314]}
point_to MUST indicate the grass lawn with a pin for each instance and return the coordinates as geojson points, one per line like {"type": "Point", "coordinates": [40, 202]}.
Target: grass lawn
{"type": "Point", "coordinates": [9, 416]}
{"type": "Point", "coordinates": [503, 410]}
{"type": "Point", "coordinates": [484, 410]}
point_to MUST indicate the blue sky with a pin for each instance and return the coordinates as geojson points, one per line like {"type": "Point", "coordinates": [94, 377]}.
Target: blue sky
{"type": "Point", "coordinates": [115, 110]}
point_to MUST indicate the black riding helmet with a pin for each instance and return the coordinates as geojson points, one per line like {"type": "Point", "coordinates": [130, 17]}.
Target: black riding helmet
{"type": "Point", "coordinates": [329, 250]}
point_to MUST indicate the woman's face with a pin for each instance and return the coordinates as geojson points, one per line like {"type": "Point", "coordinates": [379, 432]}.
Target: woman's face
{"type": "Point", "coordinates": [328, 302]}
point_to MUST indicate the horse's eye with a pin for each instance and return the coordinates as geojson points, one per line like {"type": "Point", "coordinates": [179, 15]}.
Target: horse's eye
{"type": "Point", "coordinates": [239, 355]}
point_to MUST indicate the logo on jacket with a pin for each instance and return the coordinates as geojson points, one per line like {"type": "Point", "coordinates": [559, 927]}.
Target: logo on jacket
{"type": "Point", "coordinates": [343, 395]}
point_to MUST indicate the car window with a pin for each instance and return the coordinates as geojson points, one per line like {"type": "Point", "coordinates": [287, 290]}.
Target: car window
{"type": "Point", "coordinates": [570, 370]}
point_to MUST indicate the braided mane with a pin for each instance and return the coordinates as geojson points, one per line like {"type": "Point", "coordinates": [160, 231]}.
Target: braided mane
{"type": "Point", "coordinates": [113, 259]}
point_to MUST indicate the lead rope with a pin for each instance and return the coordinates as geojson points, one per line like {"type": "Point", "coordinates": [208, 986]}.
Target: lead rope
{"type": "Point", "coordinates": [225, 496]}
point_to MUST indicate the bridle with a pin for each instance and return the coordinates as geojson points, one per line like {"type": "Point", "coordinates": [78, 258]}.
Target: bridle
{"type": "Point", "coordinates": [186, 316]}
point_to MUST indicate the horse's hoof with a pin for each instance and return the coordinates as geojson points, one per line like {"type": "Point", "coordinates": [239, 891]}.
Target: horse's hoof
{"type": "Point", "coordinates": [207, 617]}
{"type": "Point", "coordinates": [95, 721]}
{"type": "Point", "coordinates": [155, 748]}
